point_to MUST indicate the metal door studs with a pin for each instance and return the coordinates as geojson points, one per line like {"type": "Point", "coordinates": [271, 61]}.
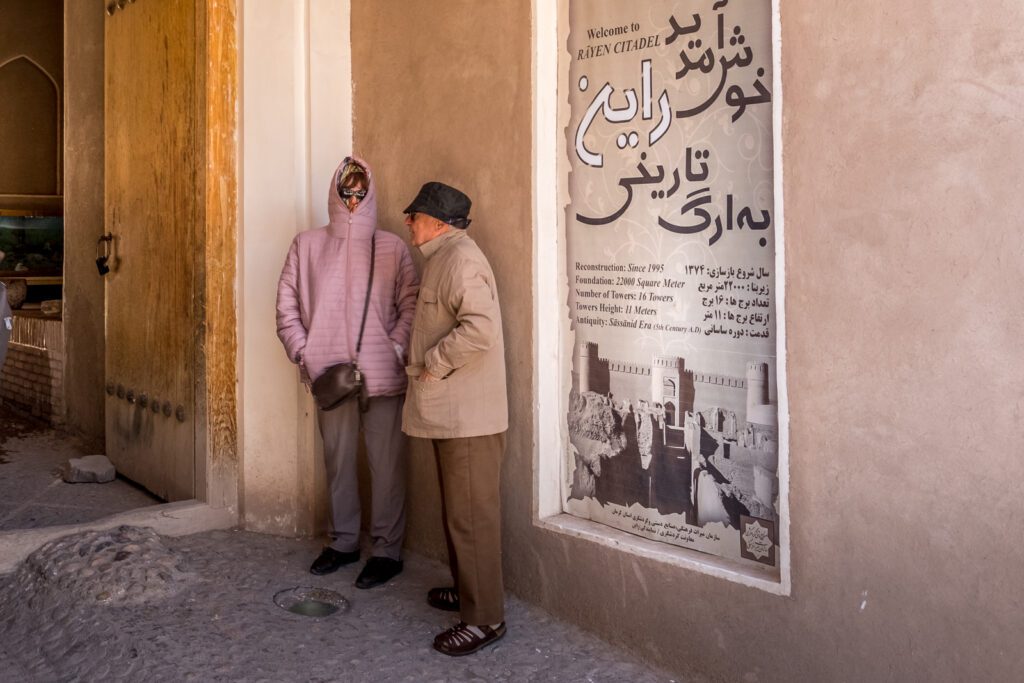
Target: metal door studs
{"type": "Point", "coordinates": [143, 401]}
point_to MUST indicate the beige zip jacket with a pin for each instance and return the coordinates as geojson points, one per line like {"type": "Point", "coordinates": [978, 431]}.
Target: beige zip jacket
{"type": "Point", "coordinates": [457, 336]}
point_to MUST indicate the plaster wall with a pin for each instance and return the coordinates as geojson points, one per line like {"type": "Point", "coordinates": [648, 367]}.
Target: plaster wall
{"type": "Point", "coordinates": [295, 128]}
{"type": "Point", "coordinates": [83, 219]}
{"type": "Point", "coordinates": [31, 88]}
{"type": "Point", "coordinates": [442, 92]}
{"type": "Point", "coordinates": [903, 261]}
{"type": "Point", "coordinates": [33, 29]}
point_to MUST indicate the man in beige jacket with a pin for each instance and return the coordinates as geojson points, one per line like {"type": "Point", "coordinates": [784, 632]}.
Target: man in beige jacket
{"type": "Point", "coordinates": [457, 399]}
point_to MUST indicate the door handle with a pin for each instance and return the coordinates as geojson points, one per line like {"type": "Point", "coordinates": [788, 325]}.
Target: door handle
{"type": "Point", "coordinates": [103, 253]}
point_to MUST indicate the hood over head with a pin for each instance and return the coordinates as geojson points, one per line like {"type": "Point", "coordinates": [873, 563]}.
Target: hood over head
{"type": "Point", "coordinates": [363, 220]}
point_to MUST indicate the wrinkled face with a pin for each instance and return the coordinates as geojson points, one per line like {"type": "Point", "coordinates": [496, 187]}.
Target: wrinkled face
{"type": "Point", "coordinates": [423, 227]}
{"type": "Point", "coordinates": [351, 196]}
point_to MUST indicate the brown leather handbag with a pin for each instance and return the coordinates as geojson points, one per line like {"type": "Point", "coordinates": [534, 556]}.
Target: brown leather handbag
{"type": "Point", "coordinates": [344, 381]}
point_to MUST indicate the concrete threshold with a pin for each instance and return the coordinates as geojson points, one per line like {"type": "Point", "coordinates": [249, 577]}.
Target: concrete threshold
{"type": "Point", "coordinates": [169, 519]}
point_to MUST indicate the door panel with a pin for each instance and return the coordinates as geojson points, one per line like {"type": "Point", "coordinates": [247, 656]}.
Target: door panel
{"type": "Point", "coordinates": [152, 169]}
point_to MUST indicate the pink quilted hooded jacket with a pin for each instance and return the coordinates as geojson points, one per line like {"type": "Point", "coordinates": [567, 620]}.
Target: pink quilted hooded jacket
{"type": "Point", "coordinates": [322, 290]}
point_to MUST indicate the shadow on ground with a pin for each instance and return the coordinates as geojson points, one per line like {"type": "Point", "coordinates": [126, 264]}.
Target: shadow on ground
{"type": "Point", "coordinates": [32, 494]}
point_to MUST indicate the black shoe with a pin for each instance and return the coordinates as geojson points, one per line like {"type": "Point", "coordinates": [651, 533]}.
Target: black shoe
{"type": "Point", "coordinates": [331, 560]}
{"type": "Point", "coordinates": [378, 570]}
{"type": "Point", "coordinates": [444, 598]}
{"type": "Point", "coordinates": [459, 640]}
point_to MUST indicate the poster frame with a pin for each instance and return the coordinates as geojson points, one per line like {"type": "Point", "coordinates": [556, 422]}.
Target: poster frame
{"type": "Point", "coordinates": [553, 356]}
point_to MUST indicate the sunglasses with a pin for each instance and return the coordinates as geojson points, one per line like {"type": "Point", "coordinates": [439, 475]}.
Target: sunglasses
{"type": "Point", "coordinates": [358, 194]}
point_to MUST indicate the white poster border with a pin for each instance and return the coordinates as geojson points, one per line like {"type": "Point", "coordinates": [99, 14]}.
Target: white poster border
{"type": "Point", "coordinates": [550, 69]}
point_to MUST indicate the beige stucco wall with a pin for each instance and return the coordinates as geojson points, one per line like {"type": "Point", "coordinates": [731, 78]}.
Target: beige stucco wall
{"type": "Point", "coordinates": [442, 92]}
{"type": "Point", "coordinates": [83, 219]}
{"type": "Point", "coordinates": [904, 259]}
{"type": "Point", "coordinates": [902, 203]}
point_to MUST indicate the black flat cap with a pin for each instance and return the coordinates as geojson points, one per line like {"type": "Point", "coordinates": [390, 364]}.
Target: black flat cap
{"type": "Point", "coordinates": [444, 203]}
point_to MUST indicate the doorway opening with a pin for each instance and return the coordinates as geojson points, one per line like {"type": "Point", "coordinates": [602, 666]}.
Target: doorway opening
{"type": "Point", "coordinates": [122, 356]}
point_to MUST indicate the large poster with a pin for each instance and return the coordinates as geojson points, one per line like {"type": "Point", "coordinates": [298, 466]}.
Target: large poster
{"type": "Point", "coordinates": [672, 414]}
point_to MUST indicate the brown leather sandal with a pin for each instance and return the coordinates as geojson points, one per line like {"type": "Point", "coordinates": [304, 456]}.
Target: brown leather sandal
{"type": "Point", "coordinates": [446, 599]}
{"type": "Point", "coordinates": [459, 640]}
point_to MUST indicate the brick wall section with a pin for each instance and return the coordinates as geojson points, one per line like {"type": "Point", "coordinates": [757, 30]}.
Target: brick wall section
{"type": "Point", "coordinates": [32, 379]}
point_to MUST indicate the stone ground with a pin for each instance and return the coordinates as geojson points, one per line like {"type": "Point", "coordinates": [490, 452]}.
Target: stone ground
{"type": "Point", "coordinates": [32, 494]}
{"type": "Point", "coordinates": [127, 604]}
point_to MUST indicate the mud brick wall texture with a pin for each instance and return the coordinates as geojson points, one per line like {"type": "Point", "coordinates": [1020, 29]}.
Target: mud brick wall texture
{"type": "Point", "coordinates": [32, 378]}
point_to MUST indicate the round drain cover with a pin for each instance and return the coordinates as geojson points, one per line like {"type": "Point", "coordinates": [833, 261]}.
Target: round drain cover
{"type": "Point", "coordinates": [312, 602]}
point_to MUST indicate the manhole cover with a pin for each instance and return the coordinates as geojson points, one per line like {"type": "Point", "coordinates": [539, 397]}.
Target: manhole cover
{"type": "Point", "coordinates": [312, 602]}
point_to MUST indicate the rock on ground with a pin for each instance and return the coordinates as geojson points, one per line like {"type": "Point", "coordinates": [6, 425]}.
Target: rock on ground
{"type": "Point", "coordinates": [88, 469]}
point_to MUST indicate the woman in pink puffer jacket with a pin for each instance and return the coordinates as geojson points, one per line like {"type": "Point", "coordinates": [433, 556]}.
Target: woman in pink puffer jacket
{"type": "Point", "coordinates": [320, 300]}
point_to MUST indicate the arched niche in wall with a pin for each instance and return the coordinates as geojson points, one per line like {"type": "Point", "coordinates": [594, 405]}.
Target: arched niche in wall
{"type": "Point", "coordinates": [29, 129]}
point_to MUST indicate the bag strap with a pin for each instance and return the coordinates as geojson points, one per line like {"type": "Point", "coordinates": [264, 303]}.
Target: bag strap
{"type": "Point", "coordinates": [369, 286]}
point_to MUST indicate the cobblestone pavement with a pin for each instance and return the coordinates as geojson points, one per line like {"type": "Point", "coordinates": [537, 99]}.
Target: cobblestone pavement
{"type": "Point", "coordinates": [126, 604]}
{"type": "Point", "coordinates": [32, 494]}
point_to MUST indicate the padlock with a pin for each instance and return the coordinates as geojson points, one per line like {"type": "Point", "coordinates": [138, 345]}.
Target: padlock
{"type": "Point", "coordinates": [103, 253]}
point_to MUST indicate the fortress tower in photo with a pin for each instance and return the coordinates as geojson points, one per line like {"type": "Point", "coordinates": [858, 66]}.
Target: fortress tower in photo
{"type": "Point", "coordinates": [667, 382]}
{"type": "Point", "coordinates": [705, 444]}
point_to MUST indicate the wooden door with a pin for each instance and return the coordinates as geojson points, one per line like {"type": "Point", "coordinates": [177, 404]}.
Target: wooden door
{"type": "Point", "coordinates": [153, 196]}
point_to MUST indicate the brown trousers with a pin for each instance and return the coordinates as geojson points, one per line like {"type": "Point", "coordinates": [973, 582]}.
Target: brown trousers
{"type": "Point", "coordinates": [469, 471]}
{"type": "Point", "coordinates": [385, 454]}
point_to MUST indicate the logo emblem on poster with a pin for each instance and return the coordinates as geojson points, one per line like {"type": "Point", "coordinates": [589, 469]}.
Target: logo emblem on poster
{"type": "Point", "coordinates": [757, 540]}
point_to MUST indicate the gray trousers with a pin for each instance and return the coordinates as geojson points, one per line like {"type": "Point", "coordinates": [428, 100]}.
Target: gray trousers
{"type": "Point", "coordinates": [386, 454]}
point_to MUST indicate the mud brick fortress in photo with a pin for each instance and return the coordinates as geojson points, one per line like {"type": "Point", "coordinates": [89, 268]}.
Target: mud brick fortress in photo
{"type": "Point", "coordinates": [678, 441]}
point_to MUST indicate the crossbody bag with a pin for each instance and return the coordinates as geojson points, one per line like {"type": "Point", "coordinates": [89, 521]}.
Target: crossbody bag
{"type": "Point", "coordinates": [343, 382]}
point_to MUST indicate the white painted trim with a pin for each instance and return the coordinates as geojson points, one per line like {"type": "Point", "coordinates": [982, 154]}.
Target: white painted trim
{"type": "Point", "coordinates": [240, 257]}
{"type": "Point", "coordinates": [303, 136]}
{"type": "Point", "coordinates": [547, 336]}
{"type": "Point", "coordinates": [548, 343]}
{"type": "Point", "coordinates": [296, 126]}
{"type": "Point", "coordinates": [781, 355]}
